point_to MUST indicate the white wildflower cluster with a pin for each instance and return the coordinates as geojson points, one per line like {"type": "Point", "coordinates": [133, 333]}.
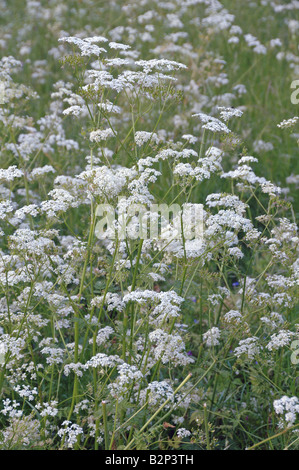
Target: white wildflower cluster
{"type": "Point", "coordinates": [212, 124]}
{"type": "Point", "coordinates": [226, 200]}
{"type": "Point", "coordinates": [165, 305]}
{"type": "Point", "coordinates": [105, 182]}
{"type": "Point", "coordinates": [47, 409]}
{"type": "Point", "coordinates": [228, 113]}
{"type": "Point", "coordinates": [22, 432]}
{"type": "Point", "coordinates": [25, 391]}
{"type": "Point", "coordinates": [142, 137]}
{"type": "Point", "coordinates": [287, 408]}
{"type": "Point", "coordinates": [211, 163]}
{"type": "Point", "coordinates": [283, 338]}
{"type": "Point", "coordinates": [233, 316]}
{"type": "Point", "coordinates": [288, 122]}
{"type": "Point", "coordinates": [41, 171]}
{"type": "Point", "coordinates": [127, 375]}
{"type": "Point", "coordinates": [256, 45]}
{"type": "Point", "coordinates": [61, 201]}
{"type": "Point", "coordinates": [169, 348]}
{"type": "Point", "coordinates": [76, 367]}
{"type": "Point", "coordinates": [191, 139]}
{"type": "Point", "coordinates": [81, 406]}
{"type": "Point", "coordinates": [87, 46]}
{"type": "Point", "coordinates": [54, 355]}
{"type": "Point", "coordinates": [212, 336]}
{"type": "Point", "coordinates": [274, 320]}
{"type": "Point", "coordinates": [166, 154]}
{"type": "Point", "coordinates": [227, 219]}
{"type": "Point", "coordinates": [103, 361]}
{"type": "Point", "coordinates": [245, 173]}
{"type": "Point", "coordinates": [69, 432]}
{"type": "Point", "coordinates": [10, 173]}
{"type": "Point", "coordinates": [10, 408]}
{"type": "Point", "coordinates": [104, 334]}
{"type": "Point", "coordinates": [182, 432]}
{"type": "Point", "coordinates": [100, 135]}
{"type": "Point", "coordinates": [248, 347]}
{"type": "Point", "coordinates": [112, 301]}
{"type": "Point", "coordinates": [158, 392]}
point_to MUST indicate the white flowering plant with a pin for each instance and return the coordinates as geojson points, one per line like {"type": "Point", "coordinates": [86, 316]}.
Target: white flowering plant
{"type": "Point", "coordinates": [181, 339]}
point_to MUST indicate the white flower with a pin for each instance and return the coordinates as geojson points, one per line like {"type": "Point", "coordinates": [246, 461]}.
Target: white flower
{"type": "Point", "coordinates": [248, 347]}
{"type": "Point", "coordinates": [212, 336]}
{"type": "Point", "coordinates": [86, 46]}
{"type": "Point", "coordinates": [233, 316]}
{"type": "Point", "coordinates": [283, 338]}
{"type": "Point", "coordinates": [104, 334]}
{"type": "Point", "coordinates": [289, 407]}
{"type": "Point", "coordinates": [182, 432]}
{"type": "Point", "coordinates": [141, 137]}
{"type": "Point", "coordinates": [10, 173]}
{"type": "Point", "coordinates": [38, 172]}
{"type": "Point", "coordinates": [288, 122]}
{"type": "Point", "coordinates": [169, 348]}
{"type": "Point", "coordinates": [70, 432]}
{"type": "Point", "coordinates": [212, 124]}
{"type": "Point", "coordinates": [119, 46]}
{"type": "Point", "coordinates": [100, 135]}
{"type": "Point", "coordinates": [227, 113]}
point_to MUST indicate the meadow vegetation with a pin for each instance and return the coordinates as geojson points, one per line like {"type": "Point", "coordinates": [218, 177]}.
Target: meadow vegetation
{"type": "Point", "coordinates": [113, 339]}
